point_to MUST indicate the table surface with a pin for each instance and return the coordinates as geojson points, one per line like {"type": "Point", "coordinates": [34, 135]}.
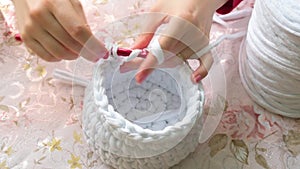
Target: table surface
{"type": "Point", "coordinates": [40, 117]}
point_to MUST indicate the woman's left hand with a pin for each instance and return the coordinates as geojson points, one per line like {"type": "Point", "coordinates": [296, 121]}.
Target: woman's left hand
{"type": "Point", "coordinates": [186, 30]}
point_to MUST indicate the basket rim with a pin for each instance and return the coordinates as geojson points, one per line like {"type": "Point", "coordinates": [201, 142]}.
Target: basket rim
{"type": "Point", "coordinates": [116, 121]}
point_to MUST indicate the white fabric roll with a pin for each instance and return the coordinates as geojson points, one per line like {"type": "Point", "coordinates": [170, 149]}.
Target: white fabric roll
{"type": "Point", "coordinates": [270, 67]}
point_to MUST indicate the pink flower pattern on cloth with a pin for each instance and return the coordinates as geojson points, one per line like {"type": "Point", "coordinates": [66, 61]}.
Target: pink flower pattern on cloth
{"type": "Point", "coordinates": [40, 117]}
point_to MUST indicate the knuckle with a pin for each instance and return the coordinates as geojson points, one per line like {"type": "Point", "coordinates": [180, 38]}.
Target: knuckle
{"type": "Point", "coordinates": [35, 13]}
{"type": "Point", "coordinates": [78, 4]}
{"type": "Point", "coordinates": [49, 3]}
{"type": "Point", "coordinates": [189, 16]}
{"type": "Point", "coordinates": [166, 43]}
{"type": "Point", "coordinates": [78, 30]}
{"type": "Point", "coordinates": [28, 25]}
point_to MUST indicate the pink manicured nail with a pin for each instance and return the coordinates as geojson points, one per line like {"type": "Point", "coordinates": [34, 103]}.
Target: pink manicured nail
{"type": "Point", "coordinates": [140, 78]}
{"type": "Point", "coordinates": [18, 37]}
{"type": "Point", "coordinates": [197, 78]}
{"type": "Point", "coordinates": [106, 55]}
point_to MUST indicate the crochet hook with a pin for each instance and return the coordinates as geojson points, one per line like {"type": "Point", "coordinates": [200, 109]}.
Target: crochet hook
{"type": "Point", "coordinates": [126, 52]}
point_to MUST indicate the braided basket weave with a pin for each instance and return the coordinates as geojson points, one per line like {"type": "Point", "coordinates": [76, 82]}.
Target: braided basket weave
{"type": "Point", "coordinates": [154, 125]}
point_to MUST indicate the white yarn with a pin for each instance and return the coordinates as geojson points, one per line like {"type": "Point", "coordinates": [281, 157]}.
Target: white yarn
{"type": "Point", "coordinates": [270, 67]}
{"type": "Point", "coordinates": [155, 48]}
{"type": "Point", "coordinates": [234, 15]}
{"type": "Point", "coordinates": [212, 45]}
{"type": "Point", "coordinates": [124, 137]}
{"type": "Point", "coordinates": [68, 77]}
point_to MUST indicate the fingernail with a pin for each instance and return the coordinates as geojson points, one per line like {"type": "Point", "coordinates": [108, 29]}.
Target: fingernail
{"type": "Point", "coordinates": [106, 55]}
{"type": "Point", "coordinates": [140, 78]}
{"type": "Point", "coordinates": [18, 37]}
{"type": "Point", "coordinates": [96, 60]}
{"type": "Point", "coordinates": [197, 78]}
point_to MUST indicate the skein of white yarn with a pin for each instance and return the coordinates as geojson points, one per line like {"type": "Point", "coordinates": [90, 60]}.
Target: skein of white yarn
{"type": "Point", "coordinates": [270, 56]}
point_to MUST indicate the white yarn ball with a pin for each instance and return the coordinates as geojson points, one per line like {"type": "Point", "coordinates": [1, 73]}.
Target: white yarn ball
{"type": "Point", "coordinates": [270, 56]}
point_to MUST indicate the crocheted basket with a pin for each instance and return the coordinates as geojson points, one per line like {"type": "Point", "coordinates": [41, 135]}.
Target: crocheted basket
{"type": "Point", "coordinates": [153, 125]}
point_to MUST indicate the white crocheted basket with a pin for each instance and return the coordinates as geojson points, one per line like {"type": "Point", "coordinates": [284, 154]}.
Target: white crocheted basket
{"type": "Point", "coordinates": [154, 125]}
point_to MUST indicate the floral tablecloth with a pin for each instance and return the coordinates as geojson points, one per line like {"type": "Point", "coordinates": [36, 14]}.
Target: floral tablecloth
{"type": "Point", "coordinates": [40, 117]}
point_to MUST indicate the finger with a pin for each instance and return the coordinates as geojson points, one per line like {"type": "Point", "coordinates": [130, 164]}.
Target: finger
{"type": "Point", "coordinates": [151, 62]}
{"type": "Point", "coordinates": [78, 7]}
{"type": "Point", "coordinates": [151, 22]}
{"type": "Point", "coordinates": [50, 44]}
{"type": "Point", "coordinates": [39, 50]}
{"type": "Point", "coordinates": [71, 20]}
{"type": "Point", "coordinates": [50, 24]}
{"type": "Point", "coordinates": [142, 41]}
{"type": "Point", "coordinates": [78, 28]}
{"type": "Point", "coordinates": [171, 62]}
{"type": "Point", "coordinates": [91, 52]}
{"type": "Point", "coordinates": [131, 65]}
{"type": "Point", "coordinates": [186, 53]}
{"type": "Point", "coordinates": [176, 54]}
{"type": "Point", "coordinates": [146, 67]}
{"type": "Point", "coordinates": [186, 32]}
{"type": "Point", "coordinates": [206, 62]}
{"type": "Point", "coordinates": [159, 51]}
{"type": "Point", "coordinates": [136, 62]}
{"type": "Point", "coordinates": [171, 37]}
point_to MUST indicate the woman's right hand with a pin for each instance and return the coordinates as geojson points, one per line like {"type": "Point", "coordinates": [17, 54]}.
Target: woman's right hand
{"type": "Point", "coordinates": [56, 29]}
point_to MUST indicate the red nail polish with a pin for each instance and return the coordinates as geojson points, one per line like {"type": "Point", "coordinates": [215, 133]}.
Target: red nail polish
{"type": "Point", "coordinates": [197, 78]}
{"type": "Point", "coordinates": [140, 78]}
{"type": "Point", "coordinates": [18, 37]}
{"type": "Point", "coordinates": [106, 55]}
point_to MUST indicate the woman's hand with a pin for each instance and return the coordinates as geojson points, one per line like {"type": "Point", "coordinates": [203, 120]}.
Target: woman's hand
{"type": "Point", "coordinates": [56, 29]}
{"type": "Point", "coordinates": [186, 31]}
